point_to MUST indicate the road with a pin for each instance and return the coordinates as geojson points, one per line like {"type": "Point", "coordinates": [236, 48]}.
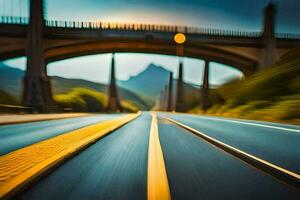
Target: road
{"type": "Point", "coordinates": [277, 143]}
{"type": "Point", "coordinates": [16, 136]}
{"type": "Point", "coordinates": [117, 166]}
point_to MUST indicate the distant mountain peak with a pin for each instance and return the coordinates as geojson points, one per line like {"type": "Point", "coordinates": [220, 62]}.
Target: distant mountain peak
{"type": "Point", "coordinates": [153, 66]}
{"type": "Point", "coordinates": [149, 82]}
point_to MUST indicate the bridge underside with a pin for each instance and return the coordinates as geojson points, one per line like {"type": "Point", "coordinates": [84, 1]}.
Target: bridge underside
{"type": "Point", "coordinates": [245, 54]}
{"type": "Point", "coordinates": [63, 49]}
{"type": "Point", "coordinates": [247, 66]}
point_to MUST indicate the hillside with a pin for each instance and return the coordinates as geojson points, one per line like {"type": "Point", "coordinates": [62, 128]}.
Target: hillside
{"type": "Point", "coordinates": [271, 94]}
{"type": "Point", "coordinates": [143, 89]}
{"type": "Point", "coordinates": [63, 85]}
{"type": "Point", "coordinates": [11, 80]}
{"type": "Point", "coordinates": [11, 83]}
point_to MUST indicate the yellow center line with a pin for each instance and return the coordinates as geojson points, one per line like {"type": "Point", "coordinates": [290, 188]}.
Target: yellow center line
{"type": "Point", "coordinates": [158, 186]}
{"type": "Point", "coordinates": [19, 168]}
{"type": "Point", "coordinates": [280, 173]}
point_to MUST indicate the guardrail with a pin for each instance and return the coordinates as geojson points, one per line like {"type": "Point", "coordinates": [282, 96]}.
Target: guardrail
{"type": "Point", "coordinates": [144, 27]}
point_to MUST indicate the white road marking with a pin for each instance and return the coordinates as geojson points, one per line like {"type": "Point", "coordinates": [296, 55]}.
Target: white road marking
{"type": "Point", "coordinates": [265, 164]}
{"type": "Point", "coordinates": [253, 124]}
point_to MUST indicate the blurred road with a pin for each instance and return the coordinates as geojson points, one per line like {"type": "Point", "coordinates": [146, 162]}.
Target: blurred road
{"type": "Point", "coordinates": [116, 167]}
{"type": "Point", "coordinates": [276, 143]}
{"type": "Point", "coordinates": [113, 168]}
{"type": "Point", "coordinates": [13, 137]}
{"type": "Point", "coordinates": [198, 170]}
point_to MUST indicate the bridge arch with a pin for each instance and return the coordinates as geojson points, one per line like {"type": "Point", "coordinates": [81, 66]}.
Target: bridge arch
{"type": "Point", "coordinates": [245, 65]}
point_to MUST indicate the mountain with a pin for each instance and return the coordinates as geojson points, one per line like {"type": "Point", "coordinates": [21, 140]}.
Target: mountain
{"type": "Point", "coordinates": [148, 83]}
{"type": "Point", "coordinates": [152, 81]}
{"type": "Point", "coordinates": [11, 80]}
{"type": "Point", "coordinates": [143, 89]}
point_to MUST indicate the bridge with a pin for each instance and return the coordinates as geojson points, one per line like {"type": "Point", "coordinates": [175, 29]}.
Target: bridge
{"type": "Point", "coordinates": [143, 155]}
{"type": "Point", "coordinates": [43, 41]}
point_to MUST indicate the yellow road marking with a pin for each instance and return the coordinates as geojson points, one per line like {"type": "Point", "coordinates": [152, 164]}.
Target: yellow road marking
{"type": "Point", "coordinates": [19, 168]}
{"type": "Point", "coordinates": [280, 173]}
{"type": "Point", "coordinates": [158, 186]}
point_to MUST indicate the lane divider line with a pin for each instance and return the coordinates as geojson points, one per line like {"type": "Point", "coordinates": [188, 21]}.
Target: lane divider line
{"type": "Point", "coordinates": [284, 175]}
{"type": "Point", "coordinates": [157, 185]}
{"type": "Point", "coordinates": [20, 168]}
{"type": "Point", "coordinates": [252, 124]}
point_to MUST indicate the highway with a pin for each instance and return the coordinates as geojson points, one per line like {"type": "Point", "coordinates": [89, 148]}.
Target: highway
{"type": "Point", "coordinates": [117, 167]}
{"type": "Point", "coordinates": [196, 170]}
{"type": "Point", "coordinates": [113, 168]}
{"type": "Point", "coordinates": [16, 136]}
{"type": "Point", "coordinates": [276, 143]}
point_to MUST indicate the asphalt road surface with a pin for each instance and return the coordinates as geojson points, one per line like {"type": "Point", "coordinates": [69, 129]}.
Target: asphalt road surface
{"type": "Point", "coordinates": [113, 168]}
{"type": "Point", "coordinates": [13, 137]}
{"type": "Point", "coordinates": [198, 170]}
{"type": "Point", "coordinates": [116, 166]}
{"type": "Point", "coordinates": [276, 143]}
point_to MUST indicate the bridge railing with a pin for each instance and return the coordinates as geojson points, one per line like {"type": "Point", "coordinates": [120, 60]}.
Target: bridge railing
{"type": "Point", "coordinates": [14, 20]}
{"type": "Point", "coordinates": [287, 35]}
{"type": "Point", "coordinates": [149, 27]}
{"type": "Point", "coordinates": [145, 27]}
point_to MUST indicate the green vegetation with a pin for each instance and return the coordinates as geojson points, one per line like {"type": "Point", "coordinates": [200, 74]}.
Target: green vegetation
{"type": "Point", "coordinates": [272, 94]}
{"type": "Point", "coordinates": [89, 100]}
{"type": "Point", "coordinates": [63, 86]}
{"type": "Point", "coordinates": [129, 106]}
{"type": "Point", "coordinates": [12, 84]}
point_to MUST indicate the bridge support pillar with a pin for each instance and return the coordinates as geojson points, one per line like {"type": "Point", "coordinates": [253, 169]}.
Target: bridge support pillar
{"type": "Point", "coordinates": [37, 88]}
{"type": "Point", "coordinates": [170, 93]}
{"type": "Point", "coordinates": [205, 87]}
{"type": "Point", "coordinates": [179, 90]}
{"type": "Point", "coordinates": [113, 100]}
{"type": "Point", "coordinates": [163, 99]}
{"type": "Point", "coordinates": [269, 39]}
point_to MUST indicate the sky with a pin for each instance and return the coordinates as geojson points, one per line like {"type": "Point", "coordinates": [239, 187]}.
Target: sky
{"type": "Point", "coordinates": [224, 14]}
{"type": "Point", "coordinates": [243, 15]}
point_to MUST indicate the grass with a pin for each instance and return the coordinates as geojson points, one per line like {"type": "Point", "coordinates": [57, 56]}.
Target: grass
{"type": "Point", "coordinates": [272, 94]}
{"type": "Point", "coordinates": [89, 100]}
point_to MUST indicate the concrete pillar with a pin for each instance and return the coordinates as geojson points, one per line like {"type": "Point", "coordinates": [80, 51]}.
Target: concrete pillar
{"type": "Point", "coordinates": [179, 90]}
{"type": "Point", "coordinates": [160, 100]}
{"type": "Point", "coordinates": [163, 99]}
{"type": "Point", "coordinates": [205, 87]}
{"type": "Point", "coordinates": [269, 39]}
{"type": "Point", "coordinates": [37, 88]}
{"type": "Point", "coordinates": [113, 100]}
{"type": "Point", "coordinates": [170, 93]}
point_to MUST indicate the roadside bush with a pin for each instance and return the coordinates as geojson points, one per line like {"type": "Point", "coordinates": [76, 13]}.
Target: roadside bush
{"type": "Point", "coordinates": [129, 106]}
{"type": "Point", "coordinates": [89, 100]}
{"type": "Point", "coordinates": [289, 109]}
{"type": "Point", "coordinates": [82, 100]}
